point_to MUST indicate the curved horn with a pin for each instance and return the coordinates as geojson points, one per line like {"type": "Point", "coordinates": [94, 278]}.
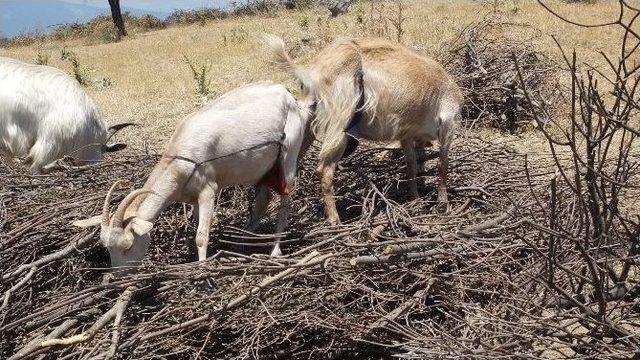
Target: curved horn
{"type": "Point", "coordinates": [112, 130]}
{"type": "Point", "coordinates": [118, 216]}
{"type": "Point", "coordinates": [107, 201]}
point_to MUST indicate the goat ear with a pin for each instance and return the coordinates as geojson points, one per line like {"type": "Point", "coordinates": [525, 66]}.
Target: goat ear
{"type": "Point", "coordinates": [113, 147]}
{"type": "Point", "coordinates": [140, 227]}
{"type": "Point", "coordinates": [92, 221]}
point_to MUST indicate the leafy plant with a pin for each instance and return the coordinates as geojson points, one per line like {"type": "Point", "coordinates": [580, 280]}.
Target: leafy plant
{"type": "Point", "coordinates": [304, 21]}
{"type": "Point", "coordinates": [42, 58]}
{"type": "Point", "coordinates": [78, 71]}
{"type": "Point", "coordinates": [200, 74]}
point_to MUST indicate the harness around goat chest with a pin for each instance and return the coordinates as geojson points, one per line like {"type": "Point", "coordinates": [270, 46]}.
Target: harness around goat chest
{"type": "Point", "coordinates": [274, 178]}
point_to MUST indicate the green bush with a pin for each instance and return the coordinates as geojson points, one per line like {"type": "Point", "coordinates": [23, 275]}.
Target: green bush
{"type": "Point", "coordinates": [77, 70]}
{"type": "Point", "coordinates": [194, 16]}
{"type": "Point", "coordinates": [200, 74]}
{"type": "Point", "coordinates": [42, 58]}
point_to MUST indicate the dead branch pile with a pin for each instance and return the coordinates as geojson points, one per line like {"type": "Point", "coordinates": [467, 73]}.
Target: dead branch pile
{"type": "Point", "coordinates": [397, 277]}
{"type": "Point", "coordinates": [480, 61]}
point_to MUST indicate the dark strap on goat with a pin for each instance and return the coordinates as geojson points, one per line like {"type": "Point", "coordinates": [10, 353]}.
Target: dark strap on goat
{"type": "Point", "coordinates": [197, 164]}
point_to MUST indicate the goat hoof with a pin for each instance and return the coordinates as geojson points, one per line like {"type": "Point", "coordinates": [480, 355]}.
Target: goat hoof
{"type": "Point", "coordinates": [333, 221]}
{"type": "Point", "coordinates": [443, 207]}
{"type": "Point", "coordinates": [250, 227]}
{"type": "Point", "coordinates": [276, 251]}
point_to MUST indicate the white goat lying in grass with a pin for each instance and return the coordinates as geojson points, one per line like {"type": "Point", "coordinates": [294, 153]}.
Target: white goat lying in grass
{"type": "Point", "coordinates": [46, 115]}
{"type": "Point", "coordinates": [251, 135]}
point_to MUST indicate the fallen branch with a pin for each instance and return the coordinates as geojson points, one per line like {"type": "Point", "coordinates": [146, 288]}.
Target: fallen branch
{"type": "Point", "coordinates": [18, 285]}
{"type": "Point", "coordinates": [473, 230]}
{"type": "Point", "coordinates": [382, 322]}
{"type": "Point", "coordinates": [267, 282]}
{"type": "Point", "coordinates": [416, 298]}
{"type": "Point", "coordinates": [382, 259]}
{"type": "Point", "coordinates": [35, 344]}
{"type": "Point", "coordinates": [58, 255]}
{"type": "Point", "coordinates": [115, 312]}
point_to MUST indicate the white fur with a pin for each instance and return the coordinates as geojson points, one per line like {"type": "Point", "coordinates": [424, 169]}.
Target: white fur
{"type": "Point", "coordinates": [46, 115]}
{"type": "Point", "coordinates": [244, 118]}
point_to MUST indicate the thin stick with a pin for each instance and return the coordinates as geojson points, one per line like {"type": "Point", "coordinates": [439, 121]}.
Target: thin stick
{"type": "Point", "coordinates": [115, 312]}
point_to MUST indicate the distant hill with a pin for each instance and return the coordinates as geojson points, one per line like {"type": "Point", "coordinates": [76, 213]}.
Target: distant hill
{"type": "Point", "coordinates": [28, 16]}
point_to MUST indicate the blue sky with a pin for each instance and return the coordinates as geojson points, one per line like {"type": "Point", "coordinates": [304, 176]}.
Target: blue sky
{"type": "Point", "coordinates": [28, 16]}
{"type": "Point", "coordinates": [155, 5]}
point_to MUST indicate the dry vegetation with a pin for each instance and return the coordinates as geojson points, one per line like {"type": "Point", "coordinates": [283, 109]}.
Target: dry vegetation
{"type": "Point", "coordinates": [537, 257]}
{"type": "Point", "coordinates": [152, 85]}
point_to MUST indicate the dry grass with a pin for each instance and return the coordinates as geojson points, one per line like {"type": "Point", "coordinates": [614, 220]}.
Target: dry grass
{"type": "Point", "coordinates": [152, 85]}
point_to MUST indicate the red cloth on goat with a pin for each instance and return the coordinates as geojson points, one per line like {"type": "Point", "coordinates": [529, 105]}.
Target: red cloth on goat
{"type": "Point", "coordinates": [275, 180]}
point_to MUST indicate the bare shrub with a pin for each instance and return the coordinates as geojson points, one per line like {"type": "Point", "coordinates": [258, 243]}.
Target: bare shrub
{"type": "Point", "coordinates": [200, 16]}
{"type": "Point", "coordinates": [374, 21]}
{"type": "Point", "coordinates": [95, 31]}
{"type": "Point", "coordinates": [380, 18]}
{"type": "Point", "coordinates": [398, 20]}
{"type": "Point", "coordinates": [480, 60]}
{"type": "Point", "coordinates": [235, 36]}
{"type": "Point", "coordinates": [147, 22]}
{"type": "Point", "coordinates": [255, 7]}
{"type": "Point", "coordinates": [588, 235]}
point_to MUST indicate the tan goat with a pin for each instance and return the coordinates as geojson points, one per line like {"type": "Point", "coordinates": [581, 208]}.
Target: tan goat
{"type": "Point", "coordinates": [377, 90]}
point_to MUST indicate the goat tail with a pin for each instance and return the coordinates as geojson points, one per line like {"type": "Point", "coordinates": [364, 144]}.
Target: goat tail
{"type": "Point", "coordinates": [337, 105]}
{"type": "Point", "coordinates": [346, 98]}
{"type": "Point", "coordinates": [279, 56]}
{"type": "Point", "coordinates": [274, 45]}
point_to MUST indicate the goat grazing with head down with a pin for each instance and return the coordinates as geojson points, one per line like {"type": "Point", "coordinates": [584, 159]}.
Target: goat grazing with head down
{"type": "Point", "coordinates": [250, 135]}
{"type": "Point", "coordinates": [377, 90]}
{"type": "Point", "coordinates": [46, 115]}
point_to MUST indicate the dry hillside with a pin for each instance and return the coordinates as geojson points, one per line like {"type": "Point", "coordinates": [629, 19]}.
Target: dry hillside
{"type": "Point", "coordinates": [151, 84]}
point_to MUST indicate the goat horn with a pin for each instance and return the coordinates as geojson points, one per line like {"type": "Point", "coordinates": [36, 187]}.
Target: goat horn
{"type": "Point", "coordinates": [118, 216]}
{"type": "Point", "coordinates": [112, 130]}
{"type": "Point", "coordinates": [107, 201]}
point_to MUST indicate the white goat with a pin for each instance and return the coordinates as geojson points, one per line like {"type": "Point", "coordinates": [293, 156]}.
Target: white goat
{"type": "Point", "coordinates": [46, 115]}
{"type": "Point", "coordinates": [251, 135]}
{"type": "Point", "coordinates": [377, 90]}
